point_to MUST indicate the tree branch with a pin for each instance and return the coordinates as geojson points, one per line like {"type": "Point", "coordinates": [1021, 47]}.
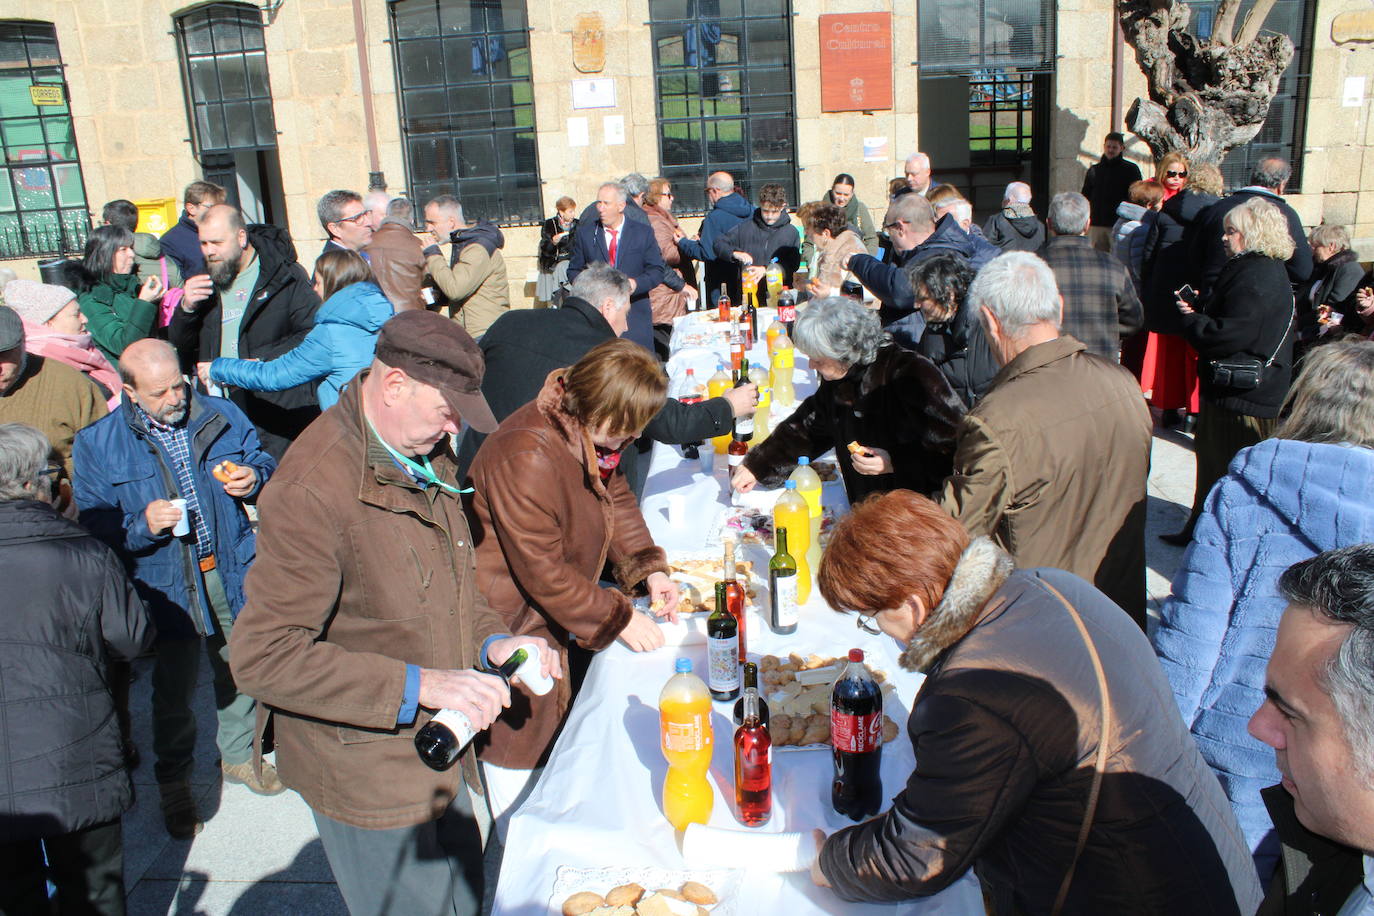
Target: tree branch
{"type": "Point", "coordinates": [1224, 26]}
{"type": "Point", "coordinates": [1254, 21]}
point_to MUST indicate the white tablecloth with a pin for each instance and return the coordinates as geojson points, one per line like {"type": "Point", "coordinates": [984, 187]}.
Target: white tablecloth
{"type": "Point", "coordinates": [598, 802]}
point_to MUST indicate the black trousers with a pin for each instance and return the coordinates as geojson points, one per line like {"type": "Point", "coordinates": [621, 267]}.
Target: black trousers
{"type": "Point", "coordinates": [86, 866]}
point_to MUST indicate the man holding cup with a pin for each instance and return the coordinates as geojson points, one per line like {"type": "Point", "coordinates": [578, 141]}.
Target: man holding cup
{"type": "Point", "coordinates": [162, 480]}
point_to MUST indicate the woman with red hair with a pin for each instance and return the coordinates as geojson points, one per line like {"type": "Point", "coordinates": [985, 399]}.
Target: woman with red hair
{"type": "Point", "coordinates": [1026, 672]}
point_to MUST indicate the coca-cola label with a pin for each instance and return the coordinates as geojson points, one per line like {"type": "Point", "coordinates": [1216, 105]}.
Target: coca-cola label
{"type": "Point", "coordinates": [723, 660]}
{"type": "Point", "coordinates": [684, 735]}
{"type": "Point", "coordinates": [856, 734]}
{"type": "Point", "coordinates": [787, 311]}
{"type": "Point", "coordinates": [784, 598]}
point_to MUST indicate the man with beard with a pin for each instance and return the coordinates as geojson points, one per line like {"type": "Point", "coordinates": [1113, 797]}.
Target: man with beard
{"type": "Point", "coordinates": [259, 305]}
{"type": "Point", "coordinates": [162, 481]}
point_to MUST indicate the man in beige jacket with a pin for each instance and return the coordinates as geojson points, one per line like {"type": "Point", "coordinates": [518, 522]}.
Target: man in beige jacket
{"type": "Point", "coordinates": [473, 277]}
{"type": "Point", "coordinates": [1053, 462]}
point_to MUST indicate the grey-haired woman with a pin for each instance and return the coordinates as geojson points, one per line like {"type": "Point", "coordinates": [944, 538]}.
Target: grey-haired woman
{"type": "Point", "coordinates": [893, 405]}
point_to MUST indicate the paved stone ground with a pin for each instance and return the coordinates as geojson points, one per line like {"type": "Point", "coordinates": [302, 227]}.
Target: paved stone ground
{"type": "Point", "coordinates": [261, 856]}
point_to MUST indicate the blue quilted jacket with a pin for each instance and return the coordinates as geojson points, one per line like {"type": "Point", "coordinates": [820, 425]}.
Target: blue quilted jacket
{"type": "Point", "coordinates": [337, 347]}
{"type": "Point", "coordinates": [1282, 501]}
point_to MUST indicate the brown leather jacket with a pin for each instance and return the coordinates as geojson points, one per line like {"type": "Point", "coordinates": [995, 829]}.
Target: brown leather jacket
{"type": "Point", "coordinates": [666, 303]}
{"type": "Point", "coordinates": [359, 572]}
{"type": "Point", "coordinates": [1052, 464]}
{"type": "Point", "coordinates": [544, 526]}
{"type": "Point", "coordinates": [398, 263]}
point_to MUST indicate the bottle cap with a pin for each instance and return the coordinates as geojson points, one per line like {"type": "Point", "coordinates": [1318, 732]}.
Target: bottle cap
{"type": "Point", "coordinates": [790, 485]}
{"type": "Point", "coordinates": [684, 666]}
{"type": "Point", "coordinates": [855, 655]}
{"type": "Point", "coordinates": [803, 460]}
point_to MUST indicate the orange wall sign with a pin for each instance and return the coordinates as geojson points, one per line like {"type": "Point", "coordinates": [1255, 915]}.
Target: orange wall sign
{"type": "Point", "coordinates": [856, 61]}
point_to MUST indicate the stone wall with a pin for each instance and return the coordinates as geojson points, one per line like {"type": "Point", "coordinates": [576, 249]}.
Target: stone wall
{"type": "Point", "coordinates": [130, 115]}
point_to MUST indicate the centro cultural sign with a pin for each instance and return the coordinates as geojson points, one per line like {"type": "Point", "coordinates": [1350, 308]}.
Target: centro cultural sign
{"type": "Point", "coordinates": [856, 61]}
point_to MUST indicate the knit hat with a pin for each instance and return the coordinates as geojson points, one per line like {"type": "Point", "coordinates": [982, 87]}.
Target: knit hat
{"type": "Point", "coordinates": [36, 302]}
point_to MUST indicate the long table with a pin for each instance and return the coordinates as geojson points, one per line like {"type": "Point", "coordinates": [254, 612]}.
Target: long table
{"type": "Point", "coordinates": [598, 801]}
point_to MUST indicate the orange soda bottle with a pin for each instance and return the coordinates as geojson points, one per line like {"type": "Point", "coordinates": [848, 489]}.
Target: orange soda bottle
{"type": "Point", "coordinates": [791, 512]}
{"type": "Point", "coordinates": [684, 716]}
{"type": "Point", "coordinates": [716, 386]}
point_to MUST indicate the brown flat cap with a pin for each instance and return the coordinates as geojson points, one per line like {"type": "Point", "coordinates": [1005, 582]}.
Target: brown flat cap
{"type": "Point", "coordinates": [434, 350]}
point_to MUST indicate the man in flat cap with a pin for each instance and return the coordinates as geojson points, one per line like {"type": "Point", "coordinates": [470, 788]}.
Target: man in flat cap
{"type": "Point", "coordinates": [363, 618]}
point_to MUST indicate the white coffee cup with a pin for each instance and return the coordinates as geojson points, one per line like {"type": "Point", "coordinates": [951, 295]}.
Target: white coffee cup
{"type": "Point", "coordinates": [183, 525]}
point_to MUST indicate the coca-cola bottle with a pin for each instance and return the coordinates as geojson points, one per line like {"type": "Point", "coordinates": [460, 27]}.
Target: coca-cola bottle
{"type": "Point", "coordinates": [856, 734]}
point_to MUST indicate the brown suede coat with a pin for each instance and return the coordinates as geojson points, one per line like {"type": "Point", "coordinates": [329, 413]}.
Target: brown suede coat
{"type": "Point", "coordinates": [398, 263]}
{"type": "Point", "coordinates": [359, 572]}
{"type": "Point", "coordinates": [544, 527]}
{"type": "Point", "coordinates": [1052, 464]}
{"type": "Point", "coordinates": [666, 303]}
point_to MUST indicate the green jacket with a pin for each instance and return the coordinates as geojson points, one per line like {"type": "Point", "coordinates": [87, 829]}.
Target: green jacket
{"type": "Point", "coordinates": [115, 316]}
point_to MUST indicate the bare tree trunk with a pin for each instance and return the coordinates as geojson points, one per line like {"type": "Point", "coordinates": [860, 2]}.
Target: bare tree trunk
{"type": "Point", "coordinates": [1206, 98]}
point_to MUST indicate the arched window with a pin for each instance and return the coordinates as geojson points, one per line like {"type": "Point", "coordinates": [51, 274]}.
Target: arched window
{"type": "Point", "coordinates": [467, 105]}
{"type": "Point", "coordinates": [42, 196]}
{"type": "Point", "coordinates": [723, 79]}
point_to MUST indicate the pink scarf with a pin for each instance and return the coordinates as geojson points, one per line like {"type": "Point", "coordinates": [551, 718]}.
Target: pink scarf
{"type": "Point", "coordinates": [77, 351]}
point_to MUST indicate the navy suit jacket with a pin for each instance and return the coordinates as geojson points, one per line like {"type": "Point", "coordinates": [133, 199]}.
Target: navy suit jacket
{"type": "Point", "coordinates": [637, 256]}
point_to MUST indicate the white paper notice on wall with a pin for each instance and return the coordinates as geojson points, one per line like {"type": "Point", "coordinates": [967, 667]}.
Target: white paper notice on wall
{"type": "Point", "coordinates": [875, 149]}
{"type": "Point", "coordinates": [615, 130]}
{"type": "Point", "coordinates": [593, 93]}
{"type": "Point", "coordinates": [1352, 96]}
{"type": "Point", "coordinates": [579, 133]}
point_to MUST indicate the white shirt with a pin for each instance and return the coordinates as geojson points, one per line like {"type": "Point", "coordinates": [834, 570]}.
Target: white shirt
{"type": "Point", "coordinates": [1361, 899]}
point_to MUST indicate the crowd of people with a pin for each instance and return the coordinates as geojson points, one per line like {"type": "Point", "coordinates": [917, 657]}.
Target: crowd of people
{"type": "Point", "coordinates": [359, 490]}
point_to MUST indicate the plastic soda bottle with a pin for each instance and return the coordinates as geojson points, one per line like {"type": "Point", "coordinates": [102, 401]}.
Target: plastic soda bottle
{"type": "Point", "coordinates": [772, 333]}
{"type": "Point", "coordinates": [809, 486]}
{"type": "Point", "coordinates": [781, 371]}
{"type": "Point", "coordinates": [773, 281]}
{"type": "Point", "coordinates": [763, 423]}
{"type": "Point", "coordinates": [792, 513]}
{"type": "Point", "coordinates": [716, 386]}
{"type": "Point", "coordinates": [684, 716]}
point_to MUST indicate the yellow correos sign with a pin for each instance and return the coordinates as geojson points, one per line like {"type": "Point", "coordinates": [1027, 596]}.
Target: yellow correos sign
{"type": "Point", "coordinates": [46, 95]}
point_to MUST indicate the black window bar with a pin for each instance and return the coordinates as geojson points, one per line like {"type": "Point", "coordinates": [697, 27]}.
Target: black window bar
{"type": "Point", "coordinates": [224, 69]}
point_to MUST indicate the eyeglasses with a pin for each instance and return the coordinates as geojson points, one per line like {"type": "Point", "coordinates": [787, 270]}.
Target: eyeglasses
{"type": "Point", "coordinates": [896, 223]}
{"type": "Point", "coordinates": [50, 472]}
{"type": "Point", "coordinates": [865, 623]}
{"type": "Point", "coordinates": [667, 194]}
{"type": "Point", "coordinates": [1173, 174]}
{"type": "Point", "coordinates": [352, 219]}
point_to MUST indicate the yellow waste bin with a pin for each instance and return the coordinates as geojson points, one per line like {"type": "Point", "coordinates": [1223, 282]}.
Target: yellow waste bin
{"type": "Point", "coordinates": [157, 214]}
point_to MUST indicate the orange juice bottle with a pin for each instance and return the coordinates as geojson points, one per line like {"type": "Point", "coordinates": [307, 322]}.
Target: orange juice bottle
{"type": "Point", "coordinates": [716, 386]}
{"type": "Point", "coordinates": [809, 486]}
{"type": "Point", "coordinates": [791, 512]}
{"type": "Point", "coordinates": [684, 717]}
{"type": "Point", "coordinates": [781, 366]}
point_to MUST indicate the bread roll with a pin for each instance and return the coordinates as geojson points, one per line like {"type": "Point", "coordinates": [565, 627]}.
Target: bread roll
{"type": "Point", "coordinates": [696, 892]}
{"type": "Point", "coordinates": [624, 895]}
{"type": "Point", "coordinates": [582, 903]}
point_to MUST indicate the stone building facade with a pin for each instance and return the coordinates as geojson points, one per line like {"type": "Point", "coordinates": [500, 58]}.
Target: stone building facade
{"type": "Point", "coordinates": [336, 123]}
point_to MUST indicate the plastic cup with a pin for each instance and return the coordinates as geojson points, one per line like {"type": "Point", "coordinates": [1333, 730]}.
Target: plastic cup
{"type": "Point", "coordinates": [677, 509]}
{"type": "Point", "coordinates": [183, 525]}
{"type": "Point", "coordinates": [530, 674]}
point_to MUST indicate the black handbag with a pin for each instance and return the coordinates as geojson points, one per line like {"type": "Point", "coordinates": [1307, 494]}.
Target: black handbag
{"type": "Point", "coordinates": [1245, 373]}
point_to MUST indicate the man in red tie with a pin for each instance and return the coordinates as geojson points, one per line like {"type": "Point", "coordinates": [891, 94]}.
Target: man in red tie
{"type": "Point", "coordinates": [628, 246]}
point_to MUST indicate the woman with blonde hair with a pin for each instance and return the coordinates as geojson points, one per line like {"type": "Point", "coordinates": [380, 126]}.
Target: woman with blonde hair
{"type": "Point", "coordinates": [1243, 334]}
{"type": "Point", "coordinates": [551, 507]}
{"type": "Point", "coordinates": [1172, 173]}
{"type": "Point", "coordinates": [1303, 492]}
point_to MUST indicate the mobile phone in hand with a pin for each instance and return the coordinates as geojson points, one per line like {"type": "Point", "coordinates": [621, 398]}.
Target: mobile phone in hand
{"type": "Point", "coordinates": [1186, 293]}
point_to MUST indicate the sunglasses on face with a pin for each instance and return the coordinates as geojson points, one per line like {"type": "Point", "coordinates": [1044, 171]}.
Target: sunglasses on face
{"type": "Point", "coordinates": [1173, 174]}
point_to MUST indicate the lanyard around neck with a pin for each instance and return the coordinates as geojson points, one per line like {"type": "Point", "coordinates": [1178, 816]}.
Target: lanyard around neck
{"type": "Point", "coordinates": [424, 473]}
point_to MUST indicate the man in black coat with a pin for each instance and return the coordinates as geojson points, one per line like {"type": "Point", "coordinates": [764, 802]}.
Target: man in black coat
{"type": "Point", "coordinates": [765, 237]}
{"type": "Point", "coordinates": [69, 611]}
{"type": "Point", "coordinates": [525, 345]}
{"type": "Point", "coordinates": [1268, 181]}
{"type": "Point", "coordinates": [629, 247]}
{"type": "Point", "coordinates": [1106, 185]}
{"type": "Point", "coordinates": [265, 296]}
